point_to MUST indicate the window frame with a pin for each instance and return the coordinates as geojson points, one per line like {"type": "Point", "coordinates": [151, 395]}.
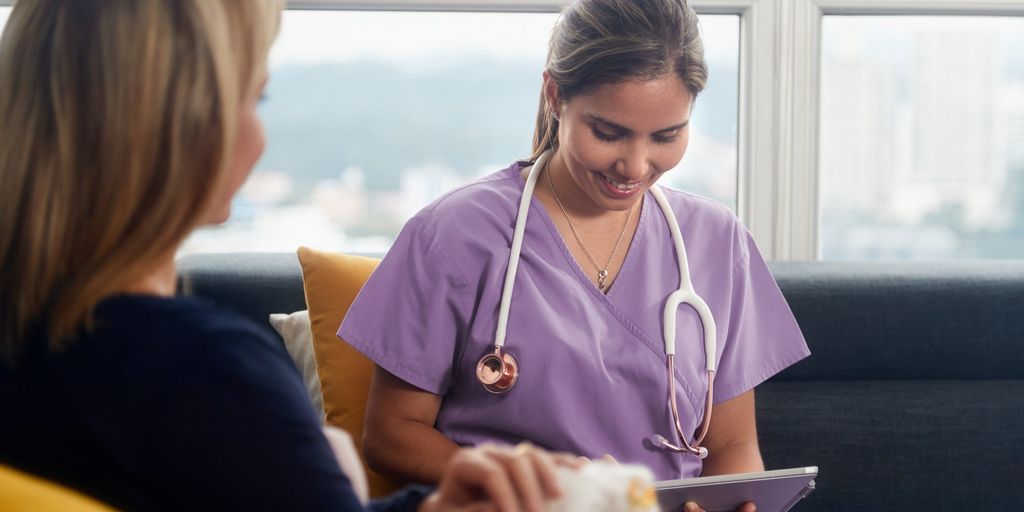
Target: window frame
{"type": "Point", "coordinates": [778, 195]}
{"type": "Point", "coordinates": [809, 247]}
{"type": "Point", "coordinates": [763, 192]}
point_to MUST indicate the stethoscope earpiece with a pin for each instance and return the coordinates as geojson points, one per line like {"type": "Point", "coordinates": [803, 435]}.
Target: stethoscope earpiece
{"type": "Point", "coordinates": [497, 371]}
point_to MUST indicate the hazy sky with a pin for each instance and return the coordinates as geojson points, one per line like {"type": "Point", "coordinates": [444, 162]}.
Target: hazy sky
{"type": "Point", "coordinates": [314, 37]}
{"type": "Point", "coordinates": [891, 38]}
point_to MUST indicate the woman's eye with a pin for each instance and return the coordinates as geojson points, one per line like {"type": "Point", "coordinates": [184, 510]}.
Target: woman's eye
{"type": "Point", "coordinates": [605, 136]}
{"type": "Point", "coordinates": [666, 139]}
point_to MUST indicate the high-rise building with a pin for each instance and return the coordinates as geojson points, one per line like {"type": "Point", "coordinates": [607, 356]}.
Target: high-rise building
{"type": "Point", "coordinates": [858, 150]}
{"type": "Point", "coordinates": [1013, 106]}
{"type": "Point", "coordinates": [959, 133]}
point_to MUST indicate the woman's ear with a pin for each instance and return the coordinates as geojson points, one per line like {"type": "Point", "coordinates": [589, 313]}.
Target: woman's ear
{"type": "Point", "coordinates": [551, 95]}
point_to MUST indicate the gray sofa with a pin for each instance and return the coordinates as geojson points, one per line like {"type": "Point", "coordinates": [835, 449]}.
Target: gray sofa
{"type": "Point", "coordinates": [913, 398]}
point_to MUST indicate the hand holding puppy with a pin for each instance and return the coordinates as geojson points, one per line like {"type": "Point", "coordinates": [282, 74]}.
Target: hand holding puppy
{"type": "Point", "coordinates": [501, 479]}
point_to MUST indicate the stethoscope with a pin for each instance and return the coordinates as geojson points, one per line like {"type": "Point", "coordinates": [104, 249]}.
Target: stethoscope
{"type": "Point", "coordinates": [498, 371]}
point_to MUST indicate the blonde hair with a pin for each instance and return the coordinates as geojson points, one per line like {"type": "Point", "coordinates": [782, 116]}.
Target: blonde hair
{"type": "Point", "coordinates": [118, 121]}
{"type": "Point", "coordinates": [599, 42]}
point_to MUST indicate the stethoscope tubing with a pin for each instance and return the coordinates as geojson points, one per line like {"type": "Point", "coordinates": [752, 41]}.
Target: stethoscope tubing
{"type": "Point", "coordinates": [684, 294]}
{"type": "Point", "coordinates": [517, 247]}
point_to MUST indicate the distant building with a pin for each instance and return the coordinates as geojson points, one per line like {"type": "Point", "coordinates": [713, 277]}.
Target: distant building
{"type": "Point", "coordinates": [859, 114]}
{"type": "Point", "coordinates": [1013, 96]}
{"type": "Point", "coordinates": [959, 131]}
{"type": "Point", "coordinates": [423, 184]}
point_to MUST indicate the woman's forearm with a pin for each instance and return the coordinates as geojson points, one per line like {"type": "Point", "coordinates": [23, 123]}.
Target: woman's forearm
{"type": "Point", "coordinates": [408, 451]}
{"type": "Point", "coordinates": [399, 438]}
{"type": "Point", "coordinates": [741, 457]}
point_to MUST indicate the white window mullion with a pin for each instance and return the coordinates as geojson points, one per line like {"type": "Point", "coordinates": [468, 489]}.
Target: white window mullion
{"type": "Point", "coordinates": [798, 193]}
{"type": "Point", "coordinates": [758, 141]}
{"type": "Point", "coordinates": [778, 193]}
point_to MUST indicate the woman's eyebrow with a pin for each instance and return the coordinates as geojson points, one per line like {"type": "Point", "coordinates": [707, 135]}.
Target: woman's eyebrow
{"type": "Point", "coordinates": [618, 127]}
{"type": "Point", "coordinates": [673, 128]}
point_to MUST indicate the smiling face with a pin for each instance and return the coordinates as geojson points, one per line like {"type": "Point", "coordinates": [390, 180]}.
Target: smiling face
{"type": "Point", "coordinates": [616, 141]}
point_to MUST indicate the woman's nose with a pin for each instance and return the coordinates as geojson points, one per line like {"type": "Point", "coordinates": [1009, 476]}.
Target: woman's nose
{"type": "Point", "coordinates": [634, 163]}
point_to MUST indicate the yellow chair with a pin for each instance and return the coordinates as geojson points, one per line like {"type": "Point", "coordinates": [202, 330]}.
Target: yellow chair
{"type": "Point", "coordinates": [20, 491]}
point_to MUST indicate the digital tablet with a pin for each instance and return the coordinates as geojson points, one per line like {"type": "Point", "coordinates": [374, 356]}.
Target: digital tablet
{"type": "Point", "coordinates": [771, 491]}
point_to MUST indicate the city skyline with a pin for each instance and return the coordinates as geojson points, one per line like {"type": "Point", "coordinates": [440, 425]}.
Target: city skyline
{"type": "Point", "coordinates": [919, 142]}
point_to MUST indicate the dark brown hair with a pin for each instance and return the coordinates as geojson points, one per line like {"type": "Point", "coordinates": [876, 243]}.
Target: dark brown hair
{"type": "Point", "coordinates": [599, 42]}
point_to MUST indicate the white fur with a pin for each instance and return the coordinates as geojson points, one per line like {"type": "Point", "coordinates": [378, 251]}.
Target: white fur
{"type": "Point", "coordinates": [606, 487]}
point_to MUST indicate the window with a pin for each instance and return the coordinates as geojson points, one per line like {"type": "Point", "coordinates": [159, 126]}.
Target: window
{"type": "Point", "coordinates": [4, 13]}
{"type": "Point", "coordinates": [372, 115]}
{"type": "Point", "coordinates": [922, 137]}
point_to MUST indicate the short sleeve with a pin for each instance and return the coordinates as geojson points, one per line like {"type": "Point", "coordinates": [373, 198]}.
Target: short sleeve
{"type": "Point", "coordinates": [410, 316]}
{"type": "Point", "coordinates": [762, 336]}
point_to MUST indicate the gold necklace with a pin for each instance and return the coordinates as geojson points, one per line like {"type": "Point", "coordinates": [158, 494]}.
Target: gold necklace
{"type": "Point", "coordinates": [602, 273]}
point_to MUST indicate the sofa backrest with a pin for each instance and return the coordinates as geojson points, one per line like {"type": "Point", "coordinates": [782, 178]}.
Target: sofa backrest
{"type": "Point", "coordinates": [253, 284]}
{"type": "Point", "coordinates": [896, 321]}
{"type": "Point", "coordinates": [877, 321]}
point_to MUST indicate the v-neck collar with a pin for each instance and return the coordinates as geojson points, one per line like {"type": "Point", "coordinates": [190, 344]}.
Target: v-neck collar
{"type": "Point", "coordinates": [574, 265]}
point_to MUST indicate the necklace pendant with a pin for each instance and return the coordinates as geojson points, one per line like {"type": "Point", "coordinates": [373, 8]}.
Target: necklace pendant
{"type": "Point", "coordinates": [601, 276]}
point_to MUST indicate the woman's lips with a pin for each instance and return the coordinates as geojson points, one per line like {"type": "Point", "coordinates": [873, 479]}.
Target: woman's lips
{"type": "Point", "coordinates": [618, 189]}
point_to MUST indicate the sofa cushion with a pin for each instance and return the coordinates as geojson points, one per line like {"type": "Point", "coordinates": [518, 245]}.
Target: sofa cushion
{"type": "Point", "coordinates": [898, 444]}
{"type": "Point", "coordinates": [23, 491]}
{"type": "Point", "coordinates": [253, 284]}
{"type": "Point", "coordinates": [332, 282]}
{"type": "Point", "coordinates": [902, 321]}
{"type": "Point", "coordinates": [297, 332]}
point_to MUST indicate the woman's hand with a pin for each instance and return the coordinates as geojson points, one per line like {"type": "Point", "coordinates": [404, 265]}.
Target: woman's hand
{"type": "Point", "coordinates": [497, 478]}
{"type": "Point", "coordinates": [732, 443]}
{"type": "Point", "coordinates": [746, 507]}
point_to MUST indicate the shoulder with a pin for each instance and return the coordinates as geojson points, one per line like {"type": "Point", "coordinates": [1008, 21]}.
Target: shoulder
{"type": "Point", "coordinates": [192, 319]}
{"type": "Point", "coordinates": [460, 231]}
{"type": "Point", "coordinates": [185, 330]}
{"type": "Point", "coordinates": [481, 206]}
{"type": "Point", "coordinates": [695, 207]}
{"type": "Point", "coordinates": [708, 220]}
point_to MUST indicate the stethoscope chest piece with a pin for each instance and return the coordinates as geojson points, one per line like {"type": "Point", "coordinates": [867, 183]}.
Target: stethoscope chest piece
{"type": "Point", "coordinates": [497, 371]}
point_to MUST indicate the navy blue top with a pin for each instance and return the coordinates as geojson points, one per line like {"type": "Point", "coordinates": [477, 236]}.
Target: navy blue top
{"type": "Point", "coordinates": [171, 403]}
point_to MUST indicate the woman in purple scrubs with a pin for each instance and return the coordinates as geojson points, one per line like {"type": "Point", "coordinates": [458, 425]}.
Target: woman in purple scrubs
{"type": "Point", "coordinates": [597, 265]}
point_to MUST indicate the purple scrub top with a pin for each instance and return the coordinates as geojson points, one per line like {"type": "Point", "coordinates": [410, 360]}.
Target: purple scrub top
{"type": "Point", "coordinates": [592, 366]}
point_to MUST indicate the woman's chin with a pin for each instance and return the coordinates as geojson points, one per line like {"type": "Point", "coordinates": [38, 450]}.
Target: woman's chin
{"type": "Point", "coordinates": [216, 218]}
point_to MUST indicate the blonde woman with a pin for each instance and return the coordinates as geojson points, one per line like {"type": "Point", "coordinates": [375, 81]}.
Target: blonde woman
{"type": "Point", "coordinates": [127, 124]}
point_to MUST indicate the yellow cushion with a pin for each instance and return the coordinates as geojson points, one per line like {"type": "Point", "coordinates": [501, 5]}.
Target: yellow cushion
{"type": "Point", "coordinates": [331, 283]}
{"type": "Point", "coordinates": [21, 491]}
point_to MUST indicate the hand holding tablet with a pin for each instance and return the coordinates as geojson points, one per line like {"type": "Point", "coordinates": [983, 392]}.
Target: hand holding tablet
{"type": "Point", "coordinates": [691, 506]}
{"type": "Point", "coordinates": [771, 491]}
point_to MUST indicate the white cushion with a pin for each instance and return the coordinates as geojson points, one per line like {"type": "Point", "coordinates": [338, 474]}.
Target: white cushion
{"type": "Point", "coordinates": [297, 333]}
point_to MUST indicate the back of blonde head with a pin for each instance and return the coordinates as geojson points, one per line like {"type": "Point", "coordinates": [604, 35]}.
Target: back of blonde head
{"type": "Point", "coordinates": [118, 120]}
